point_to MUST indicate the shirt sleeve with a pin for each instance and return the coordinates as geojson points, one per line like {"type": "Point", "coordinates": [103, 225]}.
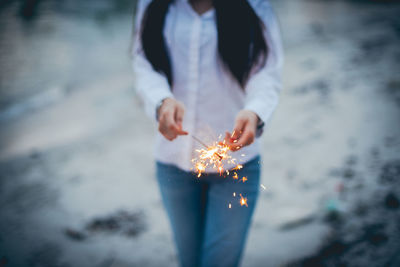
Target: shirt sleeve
{"type": "Point", "coordinates": [151, 86]}
{"type": "Point", "coordinates": [263, 87]}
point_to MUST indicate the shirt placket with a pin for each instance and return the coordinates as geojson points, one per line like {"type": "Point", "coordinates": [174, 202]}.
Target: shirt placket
{"type": "Point", "coordinates": [194, 57]}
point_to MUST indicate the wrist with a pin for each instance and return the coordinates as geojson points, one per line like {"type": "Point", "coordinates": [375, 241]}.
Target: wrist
{"type": "Point", "coordinates": [259, 124]}
{"type": "Point", "coordinates": [254, 117]}
{"type": "Point", "coordinates": [158, 107]}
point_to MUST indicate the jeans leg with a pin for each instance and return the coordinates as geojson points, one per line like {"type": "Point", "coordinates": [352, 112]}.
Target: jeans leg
{"type": "Point", "coordinates": [183, 198]}
{"type": "Point", "coordinates": [226, 228]}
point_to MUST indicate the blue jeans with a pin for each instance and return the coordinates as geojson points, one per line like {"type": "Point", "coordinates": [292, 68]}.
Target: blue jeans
{"type": "Point", "coordinates": [207, 232]}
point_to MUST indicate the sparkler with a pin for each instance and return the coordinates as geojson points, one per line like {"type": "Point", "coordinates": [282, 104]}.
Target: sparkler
{"type": "Point", "coordinates": [215, 156]}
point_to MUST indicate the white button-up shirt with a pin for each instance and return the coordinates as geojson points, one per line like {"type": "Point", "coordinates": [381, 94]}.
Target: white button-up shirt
{"type": "Point", "coordinates": [211, 95]}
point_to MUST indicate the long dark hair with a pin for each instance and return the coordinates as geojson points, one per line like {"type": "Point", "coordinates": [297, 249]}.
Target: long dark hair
{"type": "Point", "coordinates": [241, 44]}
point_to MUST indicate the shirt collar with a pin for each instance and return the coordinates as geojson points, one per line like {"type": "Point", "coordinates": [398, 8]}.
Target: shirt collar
{"type": "Point", "coordinates": [206, 15]}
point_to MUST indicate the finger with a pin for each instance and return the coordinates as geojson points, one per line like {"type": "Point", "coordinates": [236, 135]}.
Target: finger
{"type": "Point", "coordinates": [182, 132]}
{"type": "Point", "coordinates": [167, 126]}
{"type": "Point", "coordinates": [170, 121]}
{"type": "Point", "coordinates": [167, 133]}
{"type": "Point", "coordinates": [246, 139]}
{"type": "Point", "coordinates": [173, 129]}
{"type": "Point", "coordinates": [232, 139]}
{"type": "Point", "coordinates": [227, 137]}
{"type": "Point", "coordinates": [179, 112]}
{"type": "Point", "coordinates": [238, 128]}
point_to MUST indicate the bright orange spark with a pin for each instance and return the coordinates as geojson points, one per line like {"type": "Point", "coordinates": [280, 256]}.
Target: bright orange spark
{"type": "Point", "coordinates": [238, 167]}
{"type": "Point", "coordinates": [200, 168]}
{"type": "Point", "coordinates": [244, 179]}
{"type": "Point", "coordinates": [235, 176]}
{"type": "Point", "coordinates": [243, 201]}
{"type": "Point", "coordinates": [214, 156]}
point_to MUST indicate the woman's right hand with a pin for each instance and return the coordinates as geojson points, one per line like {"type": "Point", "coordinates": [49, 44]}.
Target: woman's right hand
{"type": "Point", "coordinates": [170, 117]}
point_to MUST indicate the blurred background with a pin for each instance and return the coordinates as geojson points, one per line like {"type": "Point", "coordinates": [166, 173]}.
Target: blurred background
{"type": "Point", "coordinates": [77, 183]}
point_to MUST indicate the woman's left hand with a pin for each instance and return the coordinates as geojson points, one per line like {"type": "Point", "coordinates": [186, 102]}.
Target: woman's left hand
{"type": "Point", "coordinates": [244, 131]}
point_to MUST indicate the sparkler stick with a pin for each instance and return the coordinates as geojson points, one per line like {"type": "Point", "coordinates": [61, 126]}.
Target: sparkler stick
{"type": "Point", "coordinates": [207, 147]}
{"type": "Point", "coordinates": [198, 140]}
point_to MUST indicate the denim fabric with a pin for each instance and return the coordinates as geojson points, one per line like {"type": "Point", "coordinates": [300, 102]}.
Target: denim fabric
{"type": "Point", "coordinates": [207, 232]}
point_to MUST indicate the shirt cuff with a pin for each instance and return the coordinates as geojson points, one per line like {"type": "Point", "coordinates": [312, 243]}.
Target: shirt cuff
{"type": "Point", "coordinates": [263, 105]}
{"type": "Point", "coordinates": [154, 102]}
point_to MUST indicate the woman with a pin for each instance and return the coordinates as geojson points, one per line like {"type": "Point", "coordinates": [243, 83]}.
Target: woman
{"type": "Point", "coordinates": [205, 67]}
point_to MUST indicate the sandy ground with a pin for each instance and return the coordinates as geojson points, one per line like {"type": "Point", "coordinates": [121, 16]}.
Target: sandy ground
{"type": "Point", "coordinates": [77, 183]}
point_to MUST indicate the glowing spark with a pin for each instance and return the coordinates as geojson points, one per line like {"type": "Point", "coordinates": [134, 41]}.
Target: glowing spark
{"type": "Point", "coordinates": [238, 167]}
{"type": "Point", "coordinates": [234, 194]}
{"type": "Point", "coordinates": [230, 205]}
{"type": "Point", "coordinates": [244, 179]}
{"type": "Point", "coordinates": [235, 176]}
{"type": "Point", "coordinates": [200, 168]}
{"type": "Point", "coordinates": [243, 201]}
{"type": "Point", "coordinates": [233, 133]}
{"type": "Point", "coordinates": [242, 155]}
{"type": "Point", "coordinates": [263, 186]}
{"type": "Point", "coordinates": [214, 156]}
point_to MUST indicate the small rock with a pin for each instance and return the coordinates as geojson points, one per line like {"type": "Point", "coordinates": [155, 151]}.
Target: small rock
{"type": "Point", "coordinates": [75, 235]}
{"type": "Point", "coordinates": [129, 224]}
{"type": "Point", "coordinates": [391, 201]}
{"type": "Point", "coordinates": [375, 234]}
{"type": "Point", "coordinates": [297, 223]}
{"type": "Point", "coordinates": [361, 209]}
{"type": "Point", "coordinates": [334, 217]}
{"type": "Point", "coordinates": [351, 160]}
{"type": "Point", "coordinates": [390, 141]}
{"type": "Point", "coordinates": [35, 154]}
{"type": "Point", "coordinates": [349, 173]}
